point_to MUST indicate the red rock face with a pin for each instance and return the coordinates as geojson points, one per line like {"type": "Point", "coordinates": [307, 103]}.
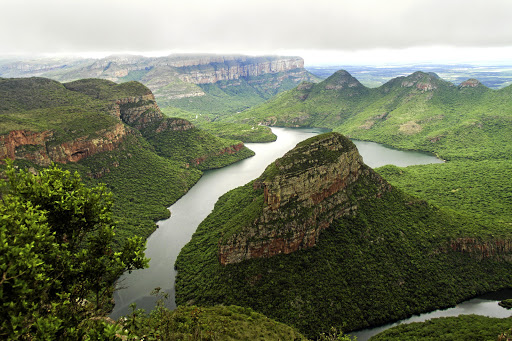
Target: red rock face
{"type": "Point", "coordinates": [12, 146]}
{"type": "Point", "coordinates": [497, 248]}
{"type": "Point", "coordinates": [470, 83]}
{"type": "Point", "coordinates": [301, 201]}
{"type": "Point", "coordinates": [83, 147]}
{"type": "Point", "coordinates": [34, 146]}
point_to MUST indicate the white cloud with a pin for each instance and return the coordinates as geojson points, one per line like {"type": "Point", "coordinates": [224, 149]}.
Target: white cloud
{"type": "Point", "coordinates": [80, 26]}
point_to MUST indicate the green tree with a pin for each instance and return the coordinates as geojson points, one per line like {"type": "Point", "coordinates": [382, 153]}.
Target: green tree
{"type": "Point", "coordinates": [57, 265]}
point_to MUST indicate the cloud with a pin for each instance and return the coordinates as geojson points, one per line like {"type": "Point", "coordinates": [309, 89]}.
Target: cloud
{"type": "Point", "coordinates": [52, 26]}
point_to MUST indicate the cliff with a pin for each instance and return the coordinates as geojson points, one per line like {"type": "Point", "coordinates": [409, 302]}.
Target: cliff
{"type": "Point", "coordinates": [46, 121]}
{"type": "Point", "coordinates": [209, 70]}
{"type": "Point", "coordinates": [303, 192]}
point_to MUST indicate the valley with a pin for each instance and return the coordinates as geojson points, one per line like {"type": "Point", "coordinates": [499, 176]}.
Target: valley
{"type": "Point", "coordinates": [303, 249]}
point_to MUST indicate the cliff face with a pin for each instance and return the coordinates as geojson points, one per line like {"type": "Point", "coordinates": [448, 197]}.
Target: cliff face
{"type": "Point", "coordinates": [302, 193]}
{"type": "Point", "coordinates": [498, 249]}
{"type": "Point", "coordinates": [38, 147]}
{"type": "Point", "coordinates": [220, 70]}
{"type": "Point", "coordinates": [41, 147]}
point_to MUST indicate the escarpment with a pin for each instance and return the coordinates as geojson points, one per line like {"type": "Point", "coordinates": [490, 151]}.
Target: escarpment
{"type": "Point", "coordinates": [302, 193]}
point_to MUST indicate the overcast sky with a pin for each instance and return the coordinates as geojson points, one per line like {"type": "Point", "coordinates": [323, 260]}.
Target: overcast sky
{"type": "Point", "coordinates": [321, 31]}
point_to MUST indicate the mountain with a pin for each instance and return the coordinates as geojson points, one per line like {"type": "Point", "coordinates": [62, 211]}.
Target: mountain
{"type": "Point", "coordinates": [320, 240]}
{"type": "Point", "coordinates": [115, 134]}
{"type": "Point", "coordinates": [420, 111]}
{"type": "Point", "coordinates": [198, 83]}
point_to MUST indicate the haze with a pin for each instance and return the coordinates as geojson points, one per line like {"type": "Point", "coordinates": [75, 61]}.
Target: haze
{"type": "Point", "coordinates": [322, 31]}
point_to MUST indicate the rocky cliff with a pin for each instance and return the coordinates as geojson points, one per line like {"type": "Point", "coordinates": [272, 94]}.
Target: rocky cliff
{"type": "Point", "coordinates": [215, 69]}
{"type": "Point", "coordinates": [303, 192]}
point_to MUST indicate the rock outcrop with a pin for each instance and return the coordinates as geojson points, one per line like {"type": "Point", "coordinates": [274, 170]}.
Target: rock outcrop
{"type": "Point", "coordinates": [39, 148]}
{"type": "Point", "coordinates": [303, 192]}
{"type": "Point", "coordinates": [499, 249]}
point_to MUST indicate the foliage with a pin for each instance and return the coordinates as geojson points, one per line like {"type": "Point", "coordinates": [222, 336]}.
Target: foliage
{"type": "Point", "coordinates": [205, 323]}
{"type": "Point", "coordinates": [231, 96]}
{"type": "Point", "coordinates": [57, 263]}
{"type": "Point", "coordinates": [195, 148]}
{"type": "Point", "coordinates": [463, 327]}
{"type": "Point", "coordinates": [420, 112]}
{"type": "Point", "coordinates": [506, 303]}
{"type": "Point", "coordinates": [388, 261]}
{"type": "Point", "coordinates": [479, 188]}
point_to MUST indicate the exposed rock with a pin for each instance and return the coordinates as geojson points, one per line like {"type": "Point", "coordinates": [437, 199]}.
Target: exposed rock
{"type": "Point", "coordinates": [220, 70]}
{"type": "Point", "coordinates": [138, 112]}
{"type": "Point", "coordinates": [85, 146]}
{"type": "Point", "coordinates": [27, 145]}
{"type": "Point", "coordinates": [38, 147]}
{"type": "Point", "coordinates": [228, 150]}
{"type": "Point", "coordinates": [499, 249]}
{"type": "Point", "coordinates": [470, 83]}
{"type": "Point", "coordinates": [302, 193]}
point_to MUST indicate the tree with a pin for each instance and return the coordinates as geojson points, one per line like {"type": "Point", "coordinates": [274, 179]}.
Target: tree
{"type": "Point", "coordinates": [57, 264]}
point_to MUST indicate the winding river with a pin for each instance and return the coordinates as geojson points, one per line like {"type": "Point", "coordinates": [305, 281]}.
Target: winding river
{"type": "Point", "coordinates": [164, 245]}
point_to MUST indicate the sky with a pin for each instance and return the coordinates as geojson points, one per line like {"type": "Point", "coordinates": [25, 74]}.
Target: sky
{"type": "Point", "coordinates": [332, 32]}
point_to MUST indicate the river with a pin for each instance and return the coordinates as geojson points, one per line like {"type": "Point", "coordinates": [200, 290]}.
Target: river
{"type": "Point", "coordinates": [164, 245]}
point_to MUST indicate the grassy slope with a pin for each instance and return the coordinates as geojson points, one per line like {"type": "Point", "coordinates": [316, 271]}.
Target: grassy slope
{"type": "Point", "coordinates": [450, 121]}
{"type": "Point", "coordinates": [214, 323]}
{"type": "Point", "coordinates": [251, 133]}
{"type": "Point", "coordinates": [383, 264]}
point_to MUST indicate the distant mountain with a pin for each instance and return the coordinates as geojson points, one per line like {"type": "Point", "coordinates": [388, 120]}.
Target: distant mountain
{"type": "Point", "coordinates": [420, 111]}
{"type": "Point", "coordinates": [492, 76]}
{"type": "Point", "coordinates": [198, 83]}
{"type": "Point", "coordinates": [112, 133]}
{"type": "Point", "coordinates": [320, 240]}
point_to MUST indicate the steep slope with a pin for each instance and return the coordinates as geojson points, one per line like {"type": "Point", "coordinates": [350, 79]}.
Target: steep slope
{"type": "Point", "coordinates": [320, 240]}
{"type": "Point", "coordinates": [113, 134]}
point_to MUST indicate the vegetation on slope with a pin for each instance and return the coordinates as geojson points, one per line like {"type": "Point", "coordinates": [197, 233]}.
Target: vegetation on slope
{"type": "Point", "coordinates": [390, 260]}
{"type": "Point", "coordinates": [460, 328]}
{"type": "Point", "coordinates": [481, 189]}
{"type": "Point", "coordinates": [420, 112]}
{"type": "Point", "coordinates": [230, 96]}
{"type": "Point", "coordinates": [234, 131]}
{"type": "Point", "coordinates": [206, 323]}
{"type": "Point", "coordinates": [146, 173]}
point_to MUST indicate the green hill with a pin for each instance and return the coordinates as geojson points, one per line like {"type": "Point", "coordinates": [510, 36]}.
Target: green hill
{"type": "Point", "coordinates": [111, 133]}
{"type": "Point", "coordinates": [464, 327]}
{"type": "Point", "coordinates": [420, 111]}
{"type": "Point", "coordinates": [315, 252]}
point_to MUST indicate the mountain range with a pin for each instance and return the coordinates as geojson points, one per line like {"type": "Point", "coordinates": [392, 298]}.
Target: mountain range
{"type": "Point", "coordinates": [198, 83]}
